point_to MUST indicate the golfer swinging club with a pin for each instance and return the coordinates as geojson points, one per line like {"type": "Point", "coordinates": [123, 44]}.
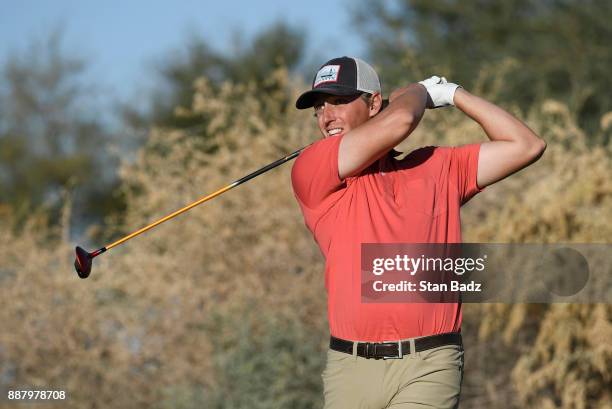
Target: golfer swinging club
{"type": "Point", "coordinates": [352, 190]}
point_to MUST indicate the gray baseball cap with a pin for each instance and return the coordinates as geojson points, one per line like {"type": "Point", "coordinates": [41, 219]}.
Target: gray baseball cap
{"type": "Point", "coordinates": [341, 76]}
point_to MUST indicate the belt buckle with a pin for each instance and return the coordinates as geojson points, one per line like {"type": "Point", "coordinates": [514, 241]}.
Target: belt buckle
{"type": "Point", "coordinates": [400, 353]}
{"type": "Point", "coordinates": [370, 352]}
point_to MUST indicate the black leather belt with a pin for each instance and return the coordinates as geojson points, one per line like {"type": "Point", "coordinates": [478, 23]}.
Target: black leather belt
{"type": "Point", "coordinates": [394, 350]}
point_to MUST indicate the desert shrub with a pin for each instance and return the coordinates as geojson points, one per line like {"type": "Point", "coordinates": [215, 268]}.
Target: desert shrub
{"type": "Point", "coordinates": [225, 306]}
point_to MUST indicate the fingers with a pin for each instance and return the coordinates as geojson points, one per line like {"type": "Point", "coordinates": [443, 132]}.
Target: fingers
{"type": "Point", "coordinates": [440, 92]}
{"type": "Point", "coordinates": [430, 81]}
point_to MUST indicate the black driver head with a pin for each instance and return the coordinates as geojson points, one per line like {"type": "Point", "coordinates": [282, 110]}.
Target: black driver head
{"type": "Point", "coordinates": [82, 262]}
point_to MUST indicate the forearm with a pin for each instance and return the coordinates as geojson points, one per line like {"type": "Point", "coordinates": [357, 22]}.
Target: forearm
{"type": "Point", "coordinates": [365, 144]}
{"type": "Point", "coordinates": [406, 108]}
{"type": "Point", "coordinates": [498, 124]}
{"type": "Point", "coordinates": [409, 101]}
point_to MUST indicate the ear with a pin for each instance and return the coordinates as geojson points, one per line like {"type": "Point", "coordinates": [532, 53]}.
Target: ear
{"type": "Point", "coordinates": [375, 104]}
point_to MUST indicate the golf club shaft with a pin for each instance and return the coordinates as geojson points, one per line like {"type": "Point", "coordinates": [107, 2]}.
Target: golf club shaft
{"type": "Point", "coordinates": [202, 200]}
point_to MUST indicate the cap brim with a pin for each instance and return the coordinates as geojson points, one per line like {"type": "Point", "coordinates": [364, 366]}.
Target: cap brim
{"type": "Point", "coordinates": [308, 98]}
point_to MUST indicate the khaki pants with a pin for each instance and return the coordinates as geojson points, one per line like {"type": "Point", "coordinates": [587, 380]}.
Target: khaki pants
{"type": "Point", "coordinates": [427, 379]}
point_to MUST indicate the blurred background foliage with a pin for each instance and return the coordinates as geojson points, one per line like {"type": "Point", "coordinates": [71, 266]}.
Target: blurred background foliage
{"type": "Point", "coordinates": [52, 136]}
{"type": "Point", "coordinates": [250, 61]}
{"type": "Point", "coordinates": [558, 48]}
{"type": "Point", "coordinates": [225, 307]}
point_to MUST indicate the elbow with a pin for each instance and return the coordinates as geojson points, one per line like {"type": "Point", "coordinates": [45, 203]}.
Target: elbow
{"type": "Point", "coordinates": [535, 149]}
{"type": "Point", "coordinates": [538, 148]}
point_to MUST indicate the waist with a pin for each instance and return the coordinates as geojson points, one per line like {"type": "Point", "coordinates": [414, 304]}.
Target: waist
{"type": "Point", "coordinates": [394, 349]}
{"type": "Point", "coordinates": [383, 322]}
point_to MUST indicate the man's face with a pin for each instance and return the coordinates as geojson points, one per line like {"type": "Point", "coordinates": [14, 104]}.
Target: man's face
{"type": "Point", "coordinates": [339, 114]}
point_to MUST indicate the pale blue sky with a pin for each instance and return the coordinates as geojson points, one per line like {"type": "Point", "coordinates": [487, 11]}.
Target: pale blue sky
{"type": "Point", "coordinates": [122, 40]}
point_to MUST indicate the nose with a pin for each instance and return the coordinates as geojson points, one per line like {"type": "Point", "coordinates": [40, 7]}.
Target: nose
{"type": "Point", "coordinates": [329, 111]}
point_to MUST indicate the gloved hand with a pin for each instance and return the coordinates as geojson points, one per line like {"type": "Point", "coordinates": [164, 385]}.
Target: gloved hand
{"type": "Point", "coordinates": [440, 91]}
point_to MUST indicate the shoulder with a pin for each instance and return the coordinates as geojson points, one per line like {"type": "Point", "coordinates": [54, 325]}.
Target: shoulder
{"type": "Point", "coordinates": [314, 174]}
{"type": "Point", "coordinates": [319, 148]}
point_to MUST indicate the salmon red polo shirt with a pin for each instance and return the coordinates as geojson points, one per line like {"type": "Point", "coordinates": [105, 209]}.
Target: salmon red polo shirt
{"type": "Point", "coordinates": [413, 200]}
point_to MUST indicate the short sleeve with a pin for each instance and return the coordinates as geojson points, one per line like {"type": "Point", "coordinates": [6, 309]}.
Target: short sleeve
{"type": "Point", "coordinates": [463, 170]}
{"type": "Point", "coordinates": [314, 175]}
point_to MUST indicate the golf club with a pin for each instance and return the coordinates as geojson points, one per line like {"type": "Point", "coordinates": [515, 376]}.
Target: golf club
{"type": "Point", "coordinates": [83, 260]}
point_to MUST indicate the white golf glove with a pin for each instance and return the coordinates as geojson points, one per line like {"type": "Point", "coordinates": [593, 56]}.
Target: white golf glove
{"type": "Point", "coordinates": [440, 91]}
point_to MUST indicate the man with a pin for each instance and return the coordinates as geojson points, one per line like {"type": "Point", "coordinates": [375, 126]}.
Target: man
{"type": "Point", "coordinates": [352, 190]}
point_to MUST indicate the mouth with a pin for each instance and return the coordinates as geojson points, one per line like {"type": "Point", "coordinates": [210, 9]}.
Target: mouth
{"type": "Point", "coordinates": [334, 131]}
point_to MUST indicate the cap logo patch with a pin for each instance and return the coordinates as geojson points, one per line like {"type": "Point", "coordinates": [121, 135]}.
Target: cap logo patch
{"type": "Point", "coordinates": [329, 73]}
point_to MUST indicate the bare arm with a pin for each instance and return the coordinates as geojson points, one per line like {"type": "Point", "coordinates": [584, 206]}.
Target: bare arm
{"type": "Point", "coordinates": [363, 145]}
{"type": "Point", "coordinates": [513, 145]}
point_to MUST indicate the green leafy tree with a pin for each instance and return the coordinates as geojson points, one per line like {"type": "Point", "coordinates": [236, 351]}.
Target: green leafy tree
{"type": "Point", "coordinates": [51, 137]}
{"type": "Point", "coordinates": [248, 62]}
{"type": "Point", "coordinates": [558, 48]}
